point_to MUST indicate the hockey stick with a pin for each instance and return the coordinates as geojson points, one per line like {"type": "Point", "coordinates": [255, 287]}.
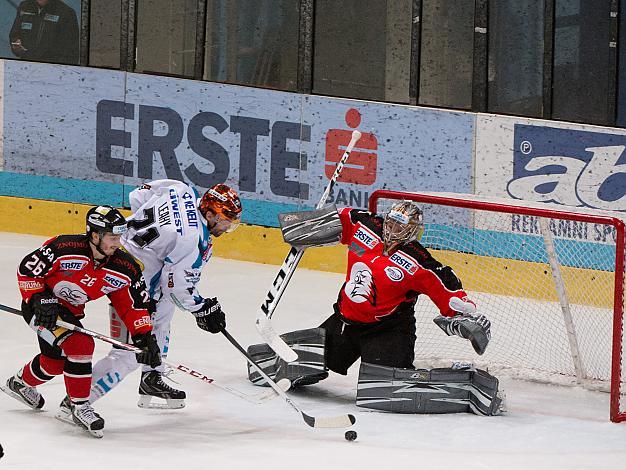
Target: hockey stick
{"type": "Point", "coordinates": [341, 421]}
{"type": "Point", "coordinates": [256, 399]}
{"type": "Point", "coordinates": [263, 323]}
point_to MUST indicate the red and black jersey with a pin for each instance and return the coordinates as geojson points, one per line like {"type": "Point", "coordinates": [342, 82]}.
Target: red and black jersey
{"type": "Point", "coordinates": [379, 285]}
{"type": "Point", "coordinates": [64, 265]}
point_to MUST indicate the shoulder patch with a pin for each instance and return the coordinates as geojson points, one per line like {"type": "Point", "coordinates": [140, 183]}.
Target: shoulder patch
{"type": "Point", "coordinates": [393, 273]}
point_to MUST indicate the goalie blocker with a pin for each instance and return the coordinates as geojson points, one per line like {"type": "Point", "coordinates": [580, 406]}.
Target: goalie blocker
{"type": "Point", "coordinates": [424, 391]}
{"type": "Point", "coordinates": [304, 229]}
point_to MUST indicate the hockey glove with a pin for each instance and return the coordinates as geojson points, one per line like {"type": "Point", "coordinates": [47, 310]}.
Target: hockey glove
{"type": "Point", "coordinates": [151, 353]}
{"type": "Point", "coordinates": [210, 316]}
{"type": "Point", "coordinates": [476, 328]}
{"type": "Point", "coordinates": [46, 308]}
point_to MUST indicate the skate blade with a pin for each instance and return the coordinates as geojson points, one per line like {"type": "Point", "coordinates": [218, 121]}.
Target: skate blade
{"type": "Point", "coordinates": [145, 401]}
{"type": "Point", "coordinates": [66, 417]}
{"type": "Point", "coordinates": [12, 394]}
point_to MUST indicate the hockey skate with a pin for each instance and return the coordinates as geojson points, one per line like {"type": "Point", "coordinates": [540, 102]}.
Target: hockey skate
{"type": "Point", "coordinates": [152, 385]}
{"type": "Point", "coordinates": [16, 388]}
{"type": "Point", "coordinates": [83, 416]}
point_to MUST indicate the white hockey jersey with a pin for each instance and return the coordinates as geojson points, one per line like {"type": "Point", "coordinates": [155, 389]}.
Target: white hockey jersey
{"type": "Point", "coordinates": [169, 236]}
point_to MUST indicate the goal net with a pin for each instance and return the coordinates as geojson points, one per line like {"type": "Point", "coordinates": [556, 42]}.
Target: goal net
{"type": "Point", "coordinates": [550, 280]}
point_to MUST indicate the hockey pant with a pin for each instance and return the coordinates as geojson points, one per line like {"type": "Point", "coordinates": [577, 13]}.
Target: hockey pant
{"type": "Point", "coordinates": [390, 342]}
{"type": "Point", "coordinates": [62, 352]}
{"type": "Point", "coordinates": [308, 369]}
{"type": "Point", "coordinates": [109, 371]}
{"type": "Point", "coordinates": [421, 391]}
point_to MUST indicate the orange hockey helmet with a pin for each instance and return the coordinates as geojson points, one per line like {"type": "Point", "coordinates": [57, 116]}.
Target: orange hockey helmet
{"type": "Point", "coordinates": [223, 201]}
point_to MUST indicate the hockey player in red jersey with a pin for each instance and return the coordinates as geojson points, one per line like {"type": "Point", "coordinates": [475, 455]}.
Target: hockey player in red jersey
{"type": "Point", "coordinates": [56, 281]}
{"type": "Point", "coordinates": [388, 269]}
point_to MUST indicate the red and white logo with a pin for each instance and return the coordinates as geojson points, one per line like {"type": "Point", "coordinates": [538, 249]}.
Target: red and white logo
{"type": "Point", "coordinates": [361, 165]}
{"type": "Point", "coordinates": [404, 261]}
{"type": "Point", "coordinates": [366, 237]}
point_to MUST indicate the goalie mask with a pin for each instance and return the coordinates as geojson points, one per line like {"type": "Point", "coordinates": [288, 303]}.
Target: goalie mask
{"type": "Point", "coordinates": [403, 223]}
{"type": "Point", "coordinates": [221, 206]}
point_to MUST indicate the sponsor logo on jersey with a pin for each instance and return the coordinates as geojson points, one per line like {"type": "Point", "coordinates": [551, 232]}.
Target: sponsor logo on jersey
{"type": "Point", "coordinates": [72, 264]}
{"type": "Point", "coordinates": [170, 280]}
{"type": "Point", "coordinates": [404, 261]}
{"type": "Point", "coordinates": [30, 285]}
{"type": "Point", "coordinates": [115, 281]}
{"type": "Point", "coordinates": [570, 167]}
{"type": "Point", "coordinates": [190, 209]}
{"type": "Point", "coordinates": [366, 237]}
{"type": "Point", "coordinates": [207, 253]}
{"type": "Point", "coordinates": [356, 248]}
{"type": "Point", "coordinates": [106, 290]}
{"type": "Point", "coordinates": [143, 321]}
{"type": "Point", "coordinates": [178, 221]}
{"type": "Point", "coordinates": [393, 273]}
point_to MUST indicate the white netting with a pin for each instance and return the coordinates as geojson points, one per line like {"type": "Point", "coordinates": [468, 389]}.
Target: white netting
{"type": "Point", "coordinates": [503, 263]}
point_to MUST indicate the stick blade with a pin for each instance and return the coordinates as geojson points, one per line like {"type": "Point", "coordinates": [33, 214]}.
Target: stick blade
{"type": "Point", "coordinates": [266, 330]}
{"type": "Point", "coordinates": [341, 421]}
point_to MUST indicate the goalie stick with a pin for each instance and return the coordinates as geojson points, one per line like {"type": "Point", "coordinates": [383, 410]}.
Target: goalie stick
{"type": "Point", "coordinates": [252, 398]}
{"type": "Point", "coordinates": [263, 323]}
{"type": "Point", "coordinates": [341, 421]}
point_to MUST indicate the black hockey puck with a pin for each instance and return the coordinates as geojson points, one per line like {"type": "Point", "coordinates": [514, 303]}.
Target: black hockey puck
{"type": "Point", "coordinates": [350, 435]}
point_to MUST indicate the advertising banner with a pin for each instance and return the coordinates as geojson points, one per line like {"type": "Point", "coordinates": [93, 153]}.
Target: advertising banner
{"type": "Point", "coordinates": [89, 135]}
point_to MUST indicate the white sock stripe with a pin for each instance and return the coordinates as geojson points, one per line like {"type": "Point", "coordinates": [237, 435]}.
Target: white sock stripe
{"type": "Point", "coordinates": [81, 359]}
{"type": "Point", "coordinates": [77, 376]}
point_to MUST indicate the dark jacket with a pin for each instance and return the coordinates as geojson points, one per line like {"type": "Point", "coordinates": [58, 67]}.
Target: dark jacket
{"type": "Point", "coordinates": [48, 33]}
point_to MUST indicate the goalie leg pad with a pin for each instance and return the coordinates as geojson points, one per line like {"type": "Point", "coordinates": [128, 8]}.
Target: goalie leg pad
{"type": "Point", "coordinates": [310, 367]}
{"type": "Point", "coordinates": [424, 391]}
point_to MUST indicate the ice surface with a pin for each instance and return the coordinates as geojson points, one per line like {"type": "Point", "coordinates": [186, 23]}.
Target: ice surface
{"type": "Point", "coordinates": [547, 427]}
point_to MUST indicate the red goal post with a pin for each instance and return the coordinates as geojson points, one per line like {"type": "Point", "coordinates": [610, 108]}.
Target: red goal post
{"type": "Point", "coordinates": [551, 279]}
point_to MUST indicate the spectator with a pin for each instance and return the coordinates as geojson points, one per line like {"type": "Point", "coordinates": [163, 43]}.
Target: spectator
{"type": "Point", "coordinates": [45, 30]}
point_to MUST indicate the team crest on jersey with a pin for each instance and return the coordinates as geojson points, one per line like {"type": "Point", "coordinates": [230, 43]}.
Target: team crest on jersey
{"type": "Point", "coordinates": [115, 281]}
{"type": "Point", "coordinates": [72, 264]}
{"type": "Point", "coordinates": [72, 293]}
{"type": "Point", "coordinates": [366, 237]}
{"type": "Point", "coordinates": [393, 273]}
{"type": "Point", "coordinates": [361, 288]}
{"type": "Point", "coordinates": [192, 276]}
{"type": "Point", "coordinates": [404, 261]}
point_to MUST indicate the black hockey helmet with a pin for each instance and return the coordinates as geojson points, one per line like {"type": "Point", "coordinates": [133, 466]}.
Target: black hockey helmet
{"type": "Point", "coordinates": [103, 219]}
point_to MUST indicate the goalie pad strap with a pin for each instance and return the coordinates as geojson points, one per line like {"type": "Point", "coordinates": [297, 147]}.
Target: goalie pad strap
{"type": "Point", "coordinates": [424, 391]}
{"type": "Point", "coordinates": [308, 369]}
{"type": "Point", "coordinates": [319, 227]}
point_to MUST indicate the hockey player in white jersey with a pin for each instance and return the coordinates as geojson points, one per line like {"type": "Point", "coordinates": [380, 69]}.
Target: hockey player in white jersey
{"type": "Point", "coordinates": [169, 232]}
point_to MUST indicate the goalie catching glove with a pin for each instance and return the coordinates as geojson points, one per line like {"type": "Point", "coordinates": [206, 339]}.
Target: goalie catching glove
{"type": "Point", "coordinates": [466, 324]}
{"type": "Point", "coordinates": [210, 316]}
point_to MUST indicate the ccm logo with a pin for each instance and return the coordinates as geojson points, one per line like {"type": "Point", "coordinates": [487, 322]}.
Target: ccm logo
{"type": "Point", "coordinates": [404, 261]}
{"type": "Point", "coordinates": [143, 321]}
